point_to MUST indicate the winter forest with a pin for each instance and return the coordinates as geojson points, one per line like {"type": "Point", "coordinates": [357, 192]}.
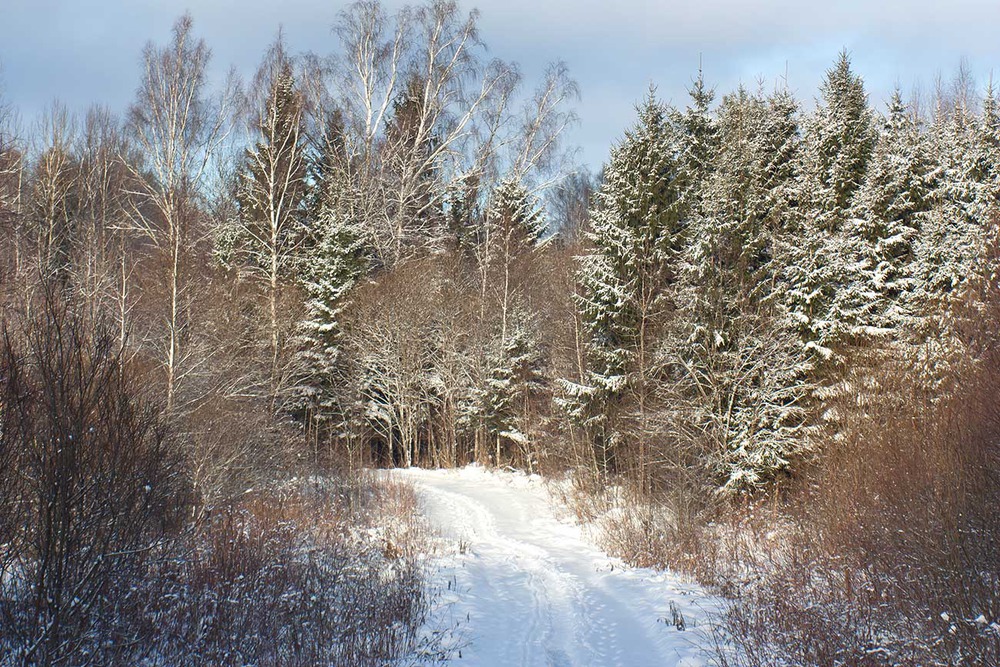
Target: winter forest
{"type": "Point", "coordinates": [758, 348]}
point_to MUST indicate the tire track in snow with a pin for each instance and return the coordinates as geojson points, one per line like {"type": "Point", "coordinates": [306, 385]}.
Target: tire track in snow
{"type": "Point", "coordinates": [516, 568]}
{"type": "Point", "coordinates": [537, 593]}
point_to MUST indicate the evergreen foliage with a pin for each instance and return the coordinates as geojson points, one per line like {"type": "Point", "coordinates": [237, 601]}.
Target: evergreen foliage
{"type": "Point", "coordinates": [886, 223]}
{"type": "Point", "coordinates": [333, 265]}
{"type": "Point", "coordinates": [515, 376]}
{"type": "Point", "coordinates": [838, 142]}
{"type": "Point", "coordinates": [637, 235]}
{"type": "Point", "coordinates": [515, 214]}
{"type": "Point", "coordinates": [742, 373]}
{"type": "Point", "coordinates": [271, 184]}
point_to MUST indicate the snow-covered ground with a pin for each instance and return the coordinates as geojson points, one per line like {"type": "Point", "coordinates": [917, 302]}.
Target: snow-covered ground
{"type": "Point", "coordinates": [523, 587]}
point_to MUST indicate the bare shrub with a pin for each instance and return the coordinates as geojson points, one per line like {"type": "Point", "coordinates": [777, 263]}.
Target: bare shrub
{"type": "Point", "coordinates": [661, 529]}
{"type": "Point", "coordinates": [110, 555]}
{"type": "Point", "coordinates": [90, 488]}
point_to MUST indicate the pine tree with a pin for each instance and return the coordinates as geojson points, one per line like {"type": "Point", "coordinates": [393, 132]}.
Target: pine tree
{"type": "Point", "coordinates": [638, 227]}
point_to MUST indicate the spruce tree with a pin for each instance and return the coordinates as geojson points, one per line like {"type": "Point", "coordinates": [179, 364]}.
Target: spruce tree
{"type": "Point", "coordinates": [881, 236]}
{"type": "Point", "coordinates": [837, 145]}
{"type": "Point", "coordinates": [740, 372]}
{"type": "Point", "coordinates": [463, 211]}
{"type": "Point", "coordinates": [334, 263]}
{"type": "Point", "coordinates": [515, 215]}
{"type": "Point", "coordinates": [272, 182]}
{"type": "Point", "coordinates": [699, 140]}
{"type": "Point", "coordinates": [744, 204]}
{"type": "Point", "coordinates": [839, 141]}
{"type": "Point", "coordinates": [638, 227]}
{"type": "Point", "coordinates": [952, 249]}
{"type": "Point", "coordinates": [513, 225]}
{"type": "Point", "coordinates": [515, 377]}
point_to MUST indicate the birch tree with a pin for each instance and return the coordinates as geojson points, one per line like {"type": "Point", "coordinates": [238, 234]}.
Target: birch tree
{"type": "Point", "coordinates": [270, 229]}
{"type": "Point", "coordinates": [53, 195]}
{"type": "Point", "coordinates": [178, 129]}
{"type": "Point", "coordinates": [104, 274]}
{"type": "Point", "coordinates": [424, 109]}
{"type": "Point", "coordinates": [11, 162]}
{"type": "Point", "coordinates": [15, 255]}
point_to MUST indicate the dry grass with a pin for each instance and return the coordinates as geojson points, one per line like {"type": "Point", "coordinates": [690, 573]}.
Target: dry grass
{"type": "Point", "coordinates": [304, 575]}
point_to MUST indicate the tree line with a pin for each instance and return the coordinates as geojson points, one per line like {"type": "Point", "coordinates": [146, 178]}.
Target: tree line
{"type": "Point", "coordinates": [389, 251]}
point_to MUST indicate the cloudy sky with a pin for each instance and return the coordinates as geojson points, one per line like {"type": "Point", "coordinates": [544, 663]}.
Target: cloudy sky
{"type": "Point", "coordinates": [83, 51]}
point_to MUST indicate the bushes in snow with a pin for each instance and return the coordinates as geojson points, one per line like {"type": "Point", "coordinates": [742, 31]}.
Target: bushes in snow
{"type": "Point", "coordinates": [111, 554]}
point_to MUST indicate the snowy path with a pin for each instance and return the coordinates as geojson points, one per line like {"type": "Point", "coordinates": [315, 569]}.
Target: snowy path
{"type": "Point", "coordinates": [530, 589]}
